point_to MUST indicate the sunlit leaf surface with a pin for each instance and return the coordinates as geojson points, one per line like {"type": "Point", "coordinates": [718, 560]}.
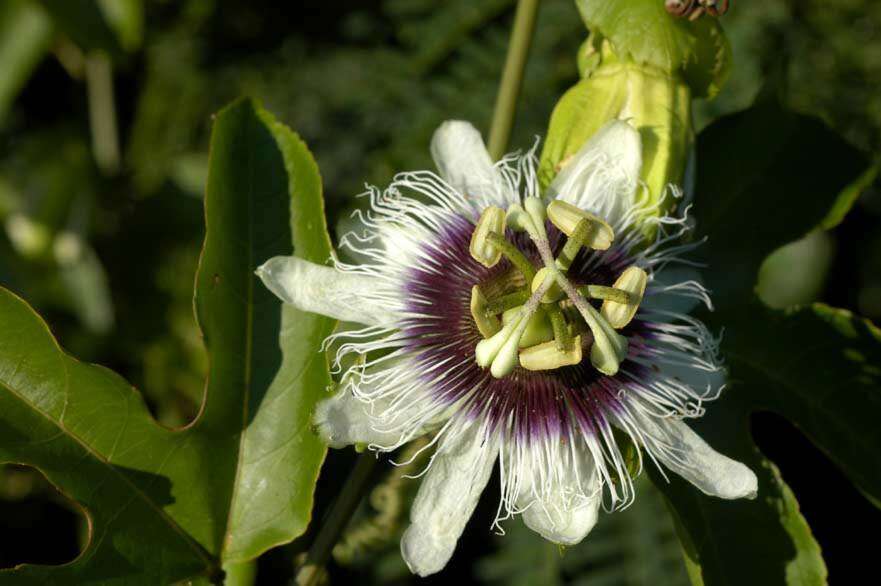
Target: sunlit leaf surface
{"type": "Point", "coordinates": [167, 504]}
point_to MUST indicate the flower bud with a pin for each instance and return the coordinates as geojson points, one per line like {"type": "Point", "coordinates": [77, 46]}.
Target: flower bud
{"type": "Point", "coordinates": [642, 66]}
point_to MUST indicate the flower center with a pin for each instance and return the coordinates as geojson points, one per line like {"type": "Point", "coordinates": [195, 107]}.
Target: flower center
{"type": "Point", "coordinates": [536, 318]}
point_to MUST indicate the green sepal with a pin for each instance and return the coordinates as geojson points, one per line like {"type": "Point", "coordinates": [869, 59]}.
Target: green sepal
{"type": "Point", "coordinates": [642, 32]}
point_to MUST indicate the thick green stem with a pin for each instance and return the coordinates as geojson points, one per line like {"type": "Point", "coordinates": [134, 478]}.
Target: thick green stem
{"type": "Point", "coordinates": [512, 77]}
{"type": "Point", "coordinates": [336, 521]}
{"type": "Point", "coordinates": [102, 112]}
{"type": "Point", "coordinates": [240, 574]}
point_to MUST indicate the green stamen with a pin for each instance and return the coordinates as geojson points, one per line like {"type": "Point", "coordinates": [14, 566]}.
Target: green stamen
{"type": "Point", "coordinates": [604, 293]}
{"type": "Point", "coordinates": [513, 254]}
{"type": "Point", "coordinates": [573, 244]}
{"type": "Point", "coordinates": [506, 302]}
{"type": "Point", "coordinates": [561, 328]}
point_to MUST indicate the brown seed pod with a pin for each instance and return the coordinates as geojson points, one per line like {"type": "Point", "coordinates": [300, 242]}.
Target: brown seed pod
{"type": "Point", "coordinates": [694, 9]}
{"type": "Point", "coordinates": [680, 8]}
{"type": "Point", "coordinates": [717, 7]}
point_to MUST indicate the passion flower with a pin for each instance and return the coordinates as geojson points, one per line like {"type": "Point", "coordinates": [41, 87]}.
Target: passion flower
{"type": "Point", "coordinates": [538, 331]}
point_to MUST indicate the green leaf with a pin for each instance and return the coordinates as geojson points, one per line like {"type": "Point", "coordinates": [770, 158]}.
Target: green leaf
{"type": "Point", "coordinates": [766, 176]}
{"type": "Point", "coordinates": [90, 434]}
{"type": "Point", "coordinates": [25, 34]}
{"type": "Point", "coordinates": [643, 32]}
{"type": "Point", "coordinates": [165, 504]}
{"type": "Point", "coordinates": [281, 456]}
{"type": "Point", "coordinates": [812, 365]}
{"type": "Point", "coordinates": [819, 367]}
{"type": "Point", "coordinates": [764, 541]}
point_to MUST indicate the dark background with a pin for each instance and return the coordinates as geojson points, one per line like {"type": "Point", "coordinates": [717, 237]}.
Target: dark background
{"type": "Point", "coordinates": [365, 83]}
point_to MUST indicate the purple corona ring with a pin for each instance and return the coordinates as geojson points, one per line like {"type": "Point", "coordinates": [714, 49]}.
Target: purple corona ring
{"type": "Point", "coordinates": [544, 333]}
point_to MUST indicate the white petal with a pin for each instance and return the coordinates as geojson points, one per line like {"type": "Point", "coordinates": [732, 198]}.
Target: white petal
{"type": "Point", "coordinates": [566, 514]}
{"type": "Point", "coordinates": [447, 498]}
{"type": "Point", "coordinates": [463, 161]}
{"type": "Point", "coordinates": [687, 454]}
{"type": "Point", "coordinates": [325, 290]}
{"type": "Point", "coordinates": [383, 405]}
{"type": "Point", "coordinates": [602, 177]}
{"type": "Point", "coordinates": [674, 289]}
{"type": "Point", "coordinates": [343, 420]}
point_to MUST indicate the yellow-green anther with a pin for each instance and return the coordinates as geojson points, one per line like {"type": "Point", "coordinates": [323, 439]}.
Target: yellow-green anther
{"type": "Point", "coordinates": [632, 281]}
{"type": "Point", "coordinates": [513, 254]}
{"type": "Point", "coordinates": [554, 293]}
{"type": "Point", "coordinates": [506, 302]}
{"type": "Point", "coordinates": [487, 323]}
{"type": "Point", "coordinates": [518, 220]}
{"type": "Point", "coordinates": [609, 347]}
{"type": "Point", "coordinates": [548, 356]}
{"type": "Point", "coordinates": [492, 220]}
{"type": "Point", "coordinates": [562, 337]}
{"type": "Point", "coordinates": [598, 235]}
{"type": "Point", "coordinates": [538, 328]}
{"type": "Point", "coordinates": [603, 292]}
{"type": "Point", "coordinates": [507, 357]}
{"type": "Point", "coordinates": [536, 210]}
{"type": "Point", "coordinates": [486, 350]}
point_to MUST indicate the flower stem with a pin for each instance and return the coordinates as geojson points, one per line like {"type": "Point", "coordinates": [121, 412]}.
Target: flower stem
{"type": "Point", "coordinates": [240, 574]}
{"type": "Point", "coordinates": [512, 77]}
{"type": "Point", "coordinates": [353, 491]}
{"type": "Point", "coordinates": [102, 112]}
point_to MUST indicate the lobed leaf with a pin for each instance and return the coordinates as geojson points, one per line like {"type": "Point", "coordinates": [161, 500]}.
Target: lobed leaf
{"type": "Point", "coordinates": [164, 505]}
{"type": "Point", "coordinates": [813, 365]}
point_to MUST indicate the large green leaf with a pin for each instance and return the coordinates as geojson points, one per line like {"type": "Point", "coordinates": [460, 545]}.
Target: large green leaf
{"type": "Point", "coordinates": [167, 504]}
{"type": "Point", "coordinates": [25, 34]}
{"type": "Point", "coordinates": [766, 177]}
{"type": "Point", "coordinates": [281, 455]}
{"type": "Point", "coordinates": [91, 435]}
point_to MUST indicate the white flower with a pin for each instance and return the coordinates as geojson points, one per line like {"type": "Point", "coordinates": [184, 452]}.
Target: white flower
{"type": "Point", "coordinates": [553, 387]}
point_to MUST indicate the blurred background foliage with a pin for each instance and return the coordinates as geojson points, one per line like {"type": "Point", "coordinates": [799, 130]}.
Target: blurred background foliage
{"type": "Point", "coordinates": [105, 110]}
